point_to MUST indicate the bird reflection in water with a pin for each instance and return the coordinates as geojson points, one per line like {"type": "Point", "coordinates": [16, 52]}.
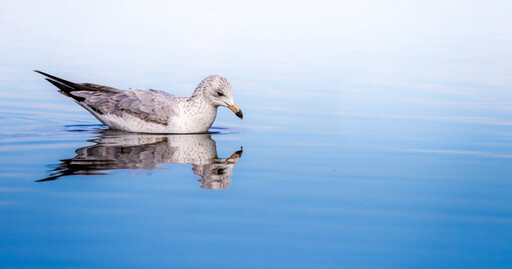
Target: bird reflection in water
{"type": "Point", "coordinates": [117, 150]}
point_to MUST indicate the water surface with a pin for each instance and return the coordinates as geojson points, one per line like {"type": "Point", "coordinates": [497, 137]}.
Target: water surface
{"type": "Point", "coordinates": [373, 136]}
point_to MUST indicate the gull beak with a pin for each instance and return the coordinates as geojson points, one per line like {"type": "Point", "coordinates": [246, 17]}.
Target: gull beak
{"type": "Point", "coordinates": [237, 111]}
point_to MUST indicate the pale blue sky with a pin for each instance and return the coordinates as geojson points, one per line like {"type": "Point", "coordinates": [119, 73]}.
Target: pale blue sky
{"type": "Point", "coordinates": [208, 35]}
{"type": "Point", "coordinates": [362, 53]}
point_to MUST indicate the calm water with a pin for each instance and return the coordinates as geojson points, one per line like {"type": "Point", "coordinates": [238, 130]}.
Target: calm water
{"type": "Point", "coordinates": [390, 146]}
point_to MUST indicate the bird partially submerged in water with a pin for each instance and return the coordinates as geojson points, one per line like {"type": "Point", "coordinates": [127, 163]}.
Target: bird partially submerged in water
{"type": "Point", "coordinates": [151, 111]}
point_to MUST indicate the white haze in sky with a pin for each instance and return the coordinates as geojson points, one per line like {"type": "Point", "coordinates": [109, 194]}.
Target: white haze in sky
{"type": "Point", "coordinates": [310, 43]}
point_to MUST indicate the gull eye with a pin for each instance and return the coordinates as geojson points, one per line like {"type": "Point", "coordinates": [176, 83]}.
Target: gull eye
{"type": "Point", "coordinates": [220, 94]}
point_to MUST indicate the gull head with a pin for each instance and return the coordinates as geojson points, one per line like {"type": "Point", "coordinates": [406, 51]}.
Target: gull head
{"type": "Point", "coordinates": [218, 90]}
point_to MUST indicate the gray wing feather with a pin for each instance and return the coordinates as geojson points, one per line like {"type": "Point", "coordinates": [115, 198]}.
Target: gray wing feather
{"type": "Point", "coordinates": [149, 105]}
{"type": "Point", "coordinates": [97, 87]}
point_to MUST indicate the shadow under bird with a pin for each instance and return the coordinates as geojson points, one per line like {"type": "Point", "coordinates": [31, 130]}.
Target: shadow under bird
{"type": "Point", "coordinates": [152, 111]}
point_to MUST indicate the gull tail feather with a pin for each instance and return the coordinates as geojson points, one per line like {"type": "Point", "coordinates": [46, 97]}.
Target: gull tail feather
{"type": "Point", "coordinates": [65, 90]}
{"type": "Point", "coordinates": [70, 84]}
{"type": "Point", "coordinates": [65, 87]}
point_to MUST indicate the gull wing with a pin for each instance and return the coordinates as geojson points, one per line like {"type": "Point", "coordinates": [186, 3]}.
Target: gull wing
{"type": "Point", "coordinates": [147, 104]}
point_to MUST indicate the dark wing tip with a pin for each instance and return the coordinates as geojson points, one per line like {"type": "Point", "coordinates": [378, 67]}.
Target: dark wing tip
{"type": "Point", "coordinates": [40, 72]}
{"type": "Point", "coordinates": [48, 179]}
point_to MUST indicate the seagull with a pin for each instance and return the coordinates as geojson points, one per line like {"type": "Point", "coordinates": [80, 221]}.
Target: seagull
{"type": "Point", "coordinates": [149, 110]}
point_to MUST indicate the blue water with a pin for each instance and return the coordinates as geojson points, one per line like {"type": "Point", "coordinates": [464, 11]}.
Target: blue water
{"type": "Point", "coordinates": [374, 136]}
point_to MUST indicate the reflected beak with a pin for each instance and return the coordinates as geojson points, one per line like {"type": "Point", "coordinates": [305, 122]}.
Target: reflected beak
{"type": "Point", "coordinates": [235, 156]}
{"type": "Point", "coordinates": [237, 111]}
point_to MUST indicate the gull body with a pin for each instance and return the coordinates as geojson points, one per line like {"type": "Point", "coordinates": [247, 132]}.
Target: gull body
{"type": "Point", "coordinates": [152, 111]}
